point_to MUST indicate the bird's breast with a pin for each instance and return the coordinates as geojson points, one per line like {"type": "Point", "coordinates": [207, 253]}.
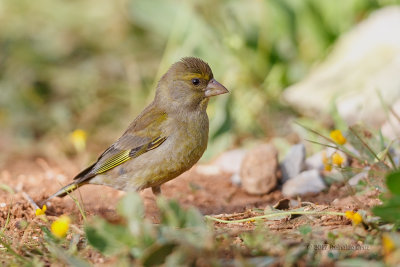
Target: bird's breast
{"type": "Point", "coordinates": [190, 139]}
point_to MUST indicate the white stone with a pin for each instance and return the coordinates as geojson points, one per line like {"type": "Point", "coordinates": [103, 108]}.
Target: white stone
{"type": "Point", "coordinates": [315, 161]}
{"type": "Point", "coordinates": [207, 169]}
{"type": "Point", "coordinates": [294, 162]}
{"type": "Point", "coordinates": [306, 182]}
{"type": "Point", "coordinates": [363, 61]}
{"type": "Point", "coordinates": [236, 179]}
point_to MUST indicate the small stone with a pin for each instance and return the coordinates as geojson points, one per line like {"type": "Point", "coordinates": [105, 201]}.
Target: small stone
{"type": "Point", "coordinates": [259, 168]}
{"type": "Point", "coordinates": [306, 182]}
{"type": "Point", "coordinates": [315, 161]}
{"type": "Point", "coordinates": [294, 162]}
{"type": "Point", "coordinates": [235, 179]}
{"type": "Point", "coordinates": [373, 48]}
{"type": "Point", "coordinates": [358, 177]}
{"type": "Point", "coordinates": [207, 169]}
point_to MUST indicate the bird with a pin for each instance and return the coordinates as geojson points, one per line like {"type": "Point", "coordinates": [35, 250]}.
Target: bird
{"type": "Point", "coordinates": [166, 139]}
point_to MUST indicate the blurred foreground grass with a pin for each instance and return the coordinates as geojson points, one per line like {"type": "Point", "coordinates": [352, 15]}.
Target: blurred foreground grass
{"type": "Point", "coordinates": [93, 65]}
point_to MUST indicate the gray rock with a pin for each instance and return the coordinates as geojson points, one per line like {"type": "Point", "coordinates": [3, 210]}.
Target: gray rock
{"type": "Point", "coordinates": [259, 168]}
{"type": "Point", "coordinates": [315, 161]}
{"type": "Point", "coordinates": [306, 182]}
{"type": "Point", "coordinates": [370, 52]}
{"type": "Point", "coordinates": [294, 162]}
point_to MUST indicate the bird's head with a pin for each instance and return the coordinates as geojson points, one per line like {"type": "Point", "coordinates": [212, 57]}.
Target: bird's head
{"type": "Point", "coordinates": [188, 83]}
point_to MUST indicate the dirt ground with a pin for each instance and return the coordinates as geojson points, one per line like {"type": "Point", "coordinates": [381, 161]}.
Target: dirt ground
{"type": "Point", "coordinates": [211, 194]}
{"type": "Point", "coordinates": [39, 178]}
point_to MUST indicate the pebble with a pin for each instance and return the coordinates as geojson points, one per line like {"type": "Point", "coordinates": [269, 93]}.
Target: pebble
{"type": "Point", "coordinates": [258, 171]}
{"type": "Point", "coordinates": [306, 182]}
{"type": "Point", "coordinates": [294, 162]}
{"type": "Point", "coordinates": [235, 179]}
{"type": "Point", "coordinates": [315, 161]}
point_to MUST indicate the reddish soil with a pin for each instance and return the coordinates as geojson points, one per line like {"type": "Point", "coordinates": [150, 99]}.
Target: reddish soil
{"type": "Point", "coordinates": [211, 194]}
{"type": "Point", "coordinates": [38, 178]}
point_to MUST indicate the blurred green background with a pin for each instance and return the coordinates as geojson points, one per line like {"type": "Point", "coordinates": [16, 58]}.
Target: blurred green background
{"type": "Point", "coordinates": [93, 65]}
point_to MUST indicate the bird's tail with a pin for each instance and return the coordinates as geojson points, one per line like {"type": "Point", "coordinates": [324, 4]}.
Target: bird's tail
{"type": "Point", "coordinates": [66, 190]}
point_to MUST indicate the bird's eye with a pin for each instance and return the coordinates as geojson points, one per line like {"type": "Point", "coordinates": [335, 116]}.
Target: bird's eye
{"type": "Point", "coordinates": [196, 81]}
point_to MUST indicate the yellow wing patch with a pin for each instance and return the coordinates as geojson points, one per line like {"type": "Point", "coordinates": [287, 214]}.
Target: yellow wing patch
{"type": "Point", "coordinates": [126, 155]}
{"type": "Point", "coordinates": [114, 161]}
{"type": "Point", "coordinates": [156, 143]}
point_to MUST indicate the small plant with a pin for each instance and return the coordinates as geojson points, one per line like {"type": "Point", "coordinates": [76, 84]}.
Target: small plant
{"type": "Point", "coordinates": [182, 237]}
{"type": "Point", "coordinates": [389, 211]}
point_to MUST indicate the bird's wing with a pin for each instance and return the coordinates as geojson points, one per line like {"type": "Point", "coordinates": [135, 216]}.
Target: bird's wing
{"type": "Point", "coordinates": [143, 135]}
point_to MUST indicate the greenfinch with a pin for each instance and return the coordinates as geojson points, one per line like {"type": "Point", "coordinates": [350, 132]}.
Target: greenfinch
{"type": "Point", "coordinates": [167, 138]}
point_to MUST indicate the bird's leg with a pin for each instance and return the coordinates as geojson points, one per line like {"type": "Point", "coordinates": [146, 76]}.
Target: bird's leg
{"type": "Point", "coordinates": [156, 190]}
{"type": "Point", "coordinates": [153, 210]}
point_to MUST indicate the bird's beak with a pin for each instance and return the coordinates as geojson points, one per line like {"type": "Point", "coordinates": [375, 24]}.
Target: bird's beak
{"type": "Point", "coordinates": [214, 88]}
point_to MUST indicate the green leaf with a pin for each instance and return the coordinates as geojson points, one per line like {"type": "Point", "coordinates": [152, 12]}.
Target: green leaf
{"type": "Point", "coordinates": [131, 206]}
{"type": "Point", "coordinates": [305, 229]}
{"type": "Point", "coordinates": [157, 254]}
{"type": "Point", "coordinates": [49, 235]}
{"type": "Point", "coordinates": [194, 218]}
{"type": "Point", "coordinates": [7, 188]}
{"type": "Point", "coordinates": [393, 182]}
{"type": "Point", "coordinates": [109, 238]}
{"type": "Point", "coordinates": [171, 213]}
{"type": "Point", "coordinates": [95, 239]}
{"type": "Point", "coordinates": [68, 258]}
{"type": "Point", "coordinates": [390, 210]}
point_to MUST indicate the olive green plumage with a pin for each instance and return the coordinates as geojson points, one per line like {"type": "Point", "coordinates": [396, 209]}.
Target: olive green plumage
{"type": "Point", "coordinates": [166, 139]}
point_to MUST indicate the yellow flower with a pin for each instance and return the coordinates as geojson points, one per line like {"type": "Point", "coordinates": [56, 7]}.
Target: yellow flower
{"type": "Point", "coordinates": [337, 159]}
{"type": "Point", "coordinates": [60, 226]}
{"type": "Point", "coordinates": [387, 244]}
{"type": "Point", "coordinates": [328, 167]}
{"type": "Point", "coordinates": [338, 137]}
{"type": "Point", "coordinates": [78, 139]}
{"type": "Point", "coordinates": [349, 214]}
{"type": "Point", "coordinates": [41, 211]}
{"type": "Point", "coordinates": [355, 217]}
